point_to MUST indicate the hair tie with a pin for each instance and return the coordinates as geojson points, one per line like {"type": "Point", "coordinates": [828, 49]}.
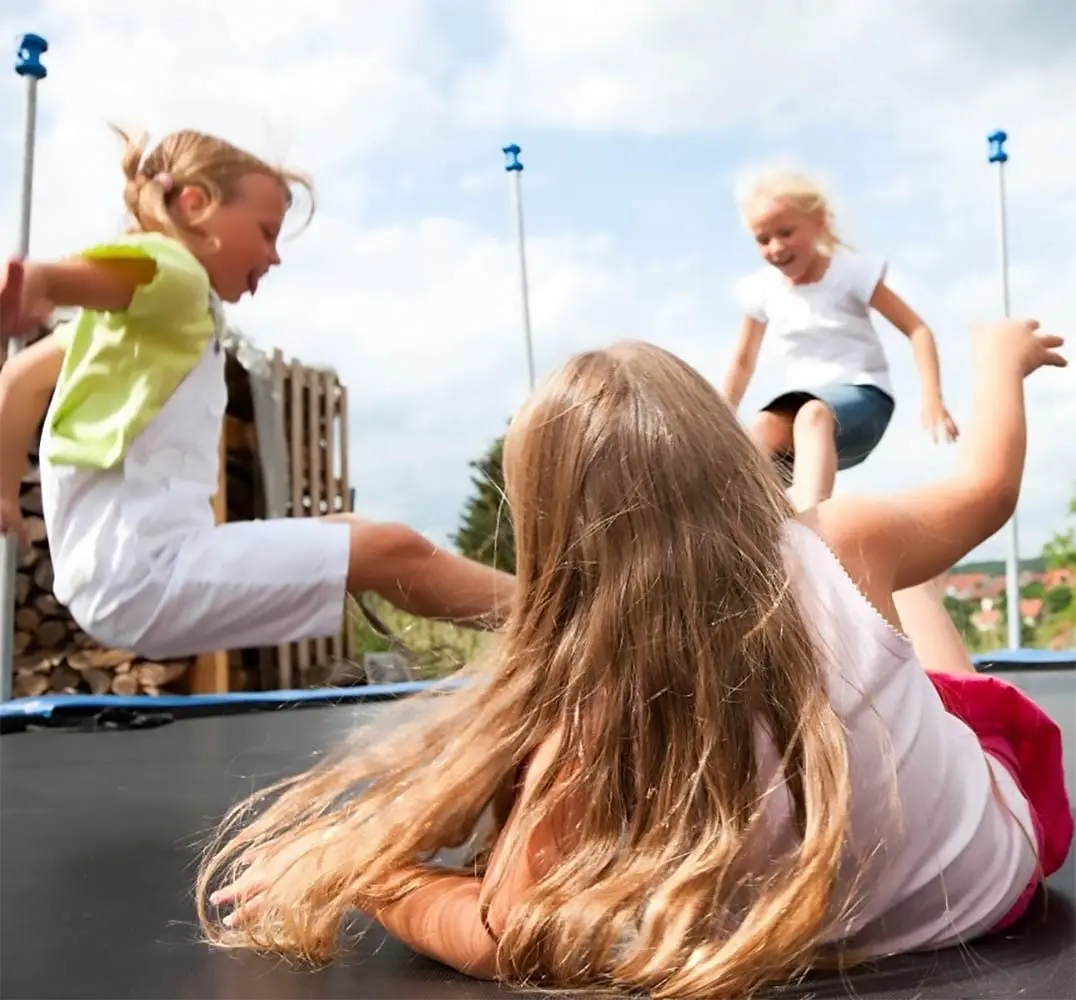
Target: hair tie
{"type": "Point", "coordinates": [165, 180]}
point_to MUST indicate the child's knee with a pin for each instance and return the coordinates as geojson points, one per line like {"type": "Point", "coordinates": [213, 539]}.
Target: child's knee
{"type": "Point", "coordinates": [814, 419]}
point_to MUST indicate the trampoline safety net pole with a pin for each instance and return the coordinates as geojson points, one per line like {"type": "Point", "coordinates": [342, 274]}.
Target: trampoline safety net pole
{"type": "Point", "coordinates": [28, 65]}
{"type": "Point", "coordinates": [514, 167]}
{"type": "Point", "coordinates": [999, 156]}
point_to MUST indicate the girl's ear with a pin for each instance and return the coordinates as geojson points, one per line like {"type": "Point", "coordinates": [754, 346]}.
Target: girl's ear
{"type": "Point", "coordinates": [191, 202]}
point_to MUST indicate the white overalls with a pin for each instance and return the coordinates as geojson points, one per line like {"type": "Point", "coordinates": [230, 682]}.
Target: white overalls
{"type": "Point", "coordinates": [141, 565]}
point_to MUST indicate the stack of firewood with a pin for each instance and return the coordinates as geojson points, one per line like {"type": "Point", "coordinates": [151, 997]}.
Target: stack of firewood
{"type": "Point", "coordinates": [52, 655]}
{"type": "Point", "coordinates": [94, 670]}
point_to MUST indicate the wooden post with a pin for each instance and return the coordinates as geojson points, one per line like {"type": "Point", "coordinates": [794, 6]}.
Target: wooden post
{"type": "Point", "coordinates": [284, 651]}
{"type": "Point", "coordinates": [332, 487]}
{"type": "Point", "coordinates": [210, 674]}
{"type": "Point", "coordinates": [343, 487]}
{"type": "Point", "coordinates": [299, 481]}
{"type": "Point", "coordinates": [316, 400]}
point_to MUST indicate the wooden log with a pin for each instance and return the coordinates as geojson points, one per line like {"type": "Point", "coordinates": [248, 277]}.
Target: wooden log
{"type": "Point", "coordinates": [48, 605]}
{"type": "Point", "coordinates": [40, 663]}
{"type": "Point", "coordinates": [30, 502]}
{"type": "Point", "coordinates": [23, 583]}
{"type": "Point", "coordinates": [125, 684]}
{"type": "Point", "coordinates": [51, 633]}
{"type": "Point", "coordinates": [27, 619]}
{"type": "Point", "coordinates": [28, 555]}
{"type": "Point", "coordinates": [99, 681]}
{"type": "Point", "coordinates": [35, 528]}
{"type": "Point", "coordinates": [42, 575]}
{"type": "Point", "coordinates": [159, 674]}
{"type": "Point", "coordinates": [23, 640]}
{"type": "Point", "coordinates": [63, 679]}
{"type": "Point", "coordinates": [100, 659]}
{"type": "Point", "coordinates": [30, 685]}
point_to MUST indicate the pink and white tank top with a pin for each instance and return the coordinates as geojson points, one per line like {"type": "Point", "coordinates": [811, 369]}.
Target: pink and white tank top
{"type": "Point", "coordinates": [934, 857]}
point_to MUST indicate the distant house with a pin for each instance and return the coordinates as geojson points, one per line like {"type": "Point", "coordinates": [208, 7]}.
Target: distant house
{"type": "Point", "coordinates": [966, 586]}
{"type": "Point", "coordinates": [987, 620]}
{"type": "Point", "coordinates": [1063, 576]}
{"type": "Point", "coordinates": [1031, 610]}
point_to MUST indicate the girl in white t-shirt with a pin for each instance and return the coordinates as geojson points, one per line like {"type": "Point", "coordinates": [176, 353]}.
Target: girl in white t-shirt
{"type": "Point", "coordinates": [812, 302]}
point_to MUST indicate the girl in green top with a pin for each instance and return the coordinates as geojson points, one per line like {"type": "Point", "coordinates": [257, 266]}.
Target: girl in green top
{"type": "Point", "coordinates": [129, 451]}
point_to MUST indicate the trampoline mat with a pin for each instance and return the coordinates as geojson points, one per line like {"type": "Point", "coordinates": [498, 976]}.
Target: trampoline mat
{"type": "Point", "coordinates": [100, 831]}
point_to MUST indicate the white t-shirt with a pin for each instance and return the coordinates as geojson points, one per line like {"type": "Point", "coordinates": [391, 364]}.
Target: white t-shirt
{"type": "Point", "coordinates": [821, 331]}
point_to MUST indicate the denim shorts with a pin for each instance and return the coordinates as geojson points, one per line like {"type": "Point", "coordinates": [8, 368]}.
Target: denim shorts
{"type": "Point", "coordinates": [862, 413]}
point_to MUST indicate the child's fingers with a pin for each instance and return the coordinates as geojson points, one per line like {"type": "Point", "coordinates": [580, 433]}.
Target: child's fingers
{"type": "Point", "coordinates": [245, 911]}
{"type": "Point", "coordinates": [242, 889]}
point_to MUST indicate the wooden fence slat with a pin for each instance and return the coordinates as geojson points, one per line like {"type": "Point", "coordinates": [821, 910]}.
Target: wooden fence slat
{"type": "Point", "coordinates": [350, 643]}
{"type": "Point", "coordinates": [285, 651]}
{"type": "Point", "coordinates": [336, 642]}
{"type": "Point", "coordinates": [298, 480]}
{"type": "Point", "coordinates": [316, 397]}
{"type": "Point", "coordinates": [210, 673]}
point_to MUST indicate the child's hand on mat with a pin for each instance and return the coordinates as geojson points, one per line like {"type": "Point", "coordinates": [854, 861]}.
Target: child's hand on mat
{"type": "Point", "coordinates": [11, 522]}
{"type": "Point", "coordinates": [262, 871]}
{"type": "Point", "coordinates": [23, 303]}
{"type": "Point", "coordinates": [1020, 343]}
{"type": "Point", "coordinates": [937, 420]}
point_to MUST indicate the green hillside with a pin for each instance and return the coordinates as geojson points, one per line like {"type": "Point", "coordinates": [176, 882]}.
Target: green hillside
{"type": "Point", "coordinates": [996, 567]}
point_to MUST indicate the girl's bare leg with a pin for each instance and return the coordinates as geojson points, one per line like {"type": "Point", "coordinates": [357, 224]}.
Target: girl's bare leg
{"type": "Point", "coordinates": [410, 572]}
{"type": "Point", "coordinates": [772, 431]}
{"type": "Point", "coordinates": [815, 467]}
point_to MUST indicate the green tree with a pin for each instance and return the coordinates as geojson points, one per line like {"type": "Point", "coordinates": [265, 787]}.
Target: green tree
{"type": "Point", "coordinates": [1060, 551]}
{"type": "Point", "coordinates": [1058, 599]}
{"type": "Point", "coordinates": [486, 533]}
{"type": "Point", "coordinates": [960, 612]}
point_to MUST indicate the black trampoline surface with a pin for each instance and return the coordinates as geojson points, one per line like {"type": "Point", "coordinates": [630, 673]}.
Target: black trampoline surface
{"type": "Point", "coordinates": [99, 836]}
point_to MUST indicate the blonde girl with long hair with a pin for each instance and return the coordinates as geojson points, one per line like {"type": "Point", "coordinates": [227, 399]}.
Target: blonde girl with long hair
{"type": "Point", "coordinates": [135, 395]}
{"type": "Point", "coordinates": [811, 301]}
{"type": "Point", "coordinates": [705, 755]}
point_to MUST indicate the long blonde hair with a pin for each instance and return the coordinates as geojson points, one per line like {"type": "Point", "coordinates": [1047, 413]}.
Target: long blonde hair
{"type": "Point", "coordinates": [656, 628]}
{"type": "Point", "coordinates": [185, 158]}
{"type": "Point", "coordinates": [789, 184]}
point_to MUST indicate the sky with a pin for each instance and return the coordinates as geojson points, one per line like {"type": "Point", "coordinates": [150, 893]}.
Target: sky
{"type": "Point", "coordinates": [634, 121]}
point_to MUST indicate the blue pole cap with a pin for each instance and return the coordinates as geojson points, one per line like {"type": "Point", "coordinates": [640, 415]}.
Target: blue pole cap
{"type": "Point", "coordinates": [28, 63]}
{"type": "Point", "coordinates": [512, 152]}
{"type": "Point", "coordinates": [997, 142]}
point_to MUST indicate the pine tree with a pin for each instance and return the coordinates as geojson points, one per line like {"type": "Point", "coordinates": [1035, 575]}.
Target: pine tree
{"type": "Point", "coordinates": [486, 533]}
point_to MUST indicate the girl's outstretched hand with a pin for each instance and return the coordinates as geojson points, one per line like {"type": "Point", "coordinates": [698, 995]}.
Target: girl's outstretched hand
{"type": "Point", "coordinates": [23, 303]}
{"type": "Point", "coordinates": [1018, 342]}
{"type": "Point", "coordinates": [938, 421]}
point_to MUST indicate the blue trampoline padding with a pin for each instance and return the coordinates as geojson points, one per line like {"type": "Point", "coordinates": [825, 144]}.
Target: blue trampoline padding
{"type": "Point", "coordinates": [45, 707]}
{"type": "Point", "coordinates": [1028, 657]}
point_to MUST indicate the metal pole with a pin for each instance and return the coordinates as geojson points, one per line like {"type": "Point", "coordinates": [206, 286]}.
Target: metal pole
{"type": "Point", "coordinates": [1012, 569]}
{"type": "Point", "coordinates": [515, 168]}
{"type": "Point", "coordinates": [29, 66]}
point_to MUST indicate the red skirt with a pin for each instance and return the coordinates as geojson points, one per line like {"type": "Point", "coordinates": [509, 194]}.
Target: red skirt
{"type": "Point", "coordinates": [1027, 742]}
